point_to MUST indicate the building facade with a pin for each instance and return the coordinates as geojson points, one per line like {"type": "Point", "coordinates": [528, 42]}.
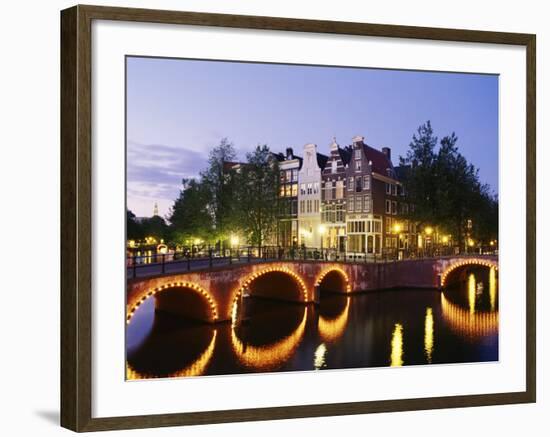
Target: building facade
{"type": "Point", "coordinates": [309, 197]}
{"type": "Point", "coordinates": [349, 201]}
{"type": "Point", "coordinates": [333, 204]}
{"type": "Point", "coordinates": [289, 166]}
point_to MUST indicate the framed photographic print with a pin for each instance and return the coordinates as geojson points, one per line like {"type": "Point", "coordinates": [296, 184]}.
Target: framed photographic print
{"type": "Point", "coordinates": [267, 218]}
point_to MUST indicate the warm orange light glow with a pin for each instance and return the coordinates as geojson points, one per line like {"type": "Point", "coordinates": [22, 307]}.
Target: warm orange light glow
{"type": "Point", "coordinates": [272, 356]}
{"type": "Point", "coordinates": [396, 358]}
{"type": "Point", "coordinates": [429, 334]}
{"type": "Point", "coordinates": [196, 368]}
{"type": "Point", "coordinates": [132, 306]}
{"type": "Point", "coordinates": [478, 324]}
{"type": "Point", "coordinates": [331, 330]}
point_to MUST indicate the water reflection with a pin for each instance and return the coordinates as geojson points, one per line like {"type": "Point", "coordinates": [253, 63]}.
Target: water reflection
{"type": "Point", "coordinates": [429, 334]}
{"type": "Point", "coordinates": [272, 354]}
{"type": "Point", "coordinates": [396, 358]}
{"type": "Point", "coordinates": [319, 357]}
{"type": "Point", "coordinates": [375, 329]}
{"type": "Point", "coordinates": [493, 288]}
{"type": "Point", "coordinates": [332, 328]}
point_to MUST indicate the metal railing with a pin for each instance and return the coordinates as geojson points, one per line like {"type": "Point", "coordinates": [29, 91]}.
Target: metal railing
{"type": "Point", "coordinates": [209, 257]}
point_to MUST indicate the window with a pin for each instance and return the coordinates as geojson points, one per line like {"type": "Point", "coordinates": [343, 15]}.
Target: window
{"type": "Point", "coordinates": [356, 227]}
{"type": "Point", "coordinates": [358, 165]}
{"type": "Point", "coordinates": [302, 189]}
{"type": "Point", "coordinates": [357, 153]}
{"type": "Point", "coordinates": [281, 191]}
{"type": "Point", "coordinates": [295, 175]}
{"type": "Point", "coordinates": [367, 204]}
{"type": "Point", "coordinates": [310, 188]}
{"type": "Point", "coordinates": [394, 207]}
{"type": "Point", "coordinates": [350, 184]}
{"type": "Point", "coordinates": [358, 186]}
{"type": "Point", "coordinates": [370, 244]}
{"type": "Point", "coordinates": [377, 226]}
{"type": "Point", "coordinates": [294, 190]}
{"type": "Point", "coordinates": [388, 225]}
{"type": "Point", "coordinates": [316, 205]}
{"type": "Point", "coordinates": [388, 206]}
{"type": "Point", "coordinates": [394, 190]}
{"type": "Point", "coordinates": [282, 174]}
{"type": "Point", "coordinates": [340, 213]}
{"type": "Point", "coordinates": [350, 204]}
{"type": "Point", "coordinates": [315, 187]}
{"type": "Point", "coordinates": [301, 207]}
{"type": "Point", "coordinates": [334, 166]}
{"type": "Point", "coordinates": [288, 175]}
{"type": "Point", "coordinates": [366, 183]}
{"type": "Point", "coordinates": [339, 189]}
{"type": "Point", "coordinates": [328, 190]}
{"type": "Point", "coordinates": [388, 188]}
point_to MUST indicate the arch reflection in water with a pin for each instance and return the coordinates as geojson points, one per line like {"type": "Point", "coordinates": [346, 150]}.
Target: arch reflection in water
{"type": "Point", "coordinates": [468, 323]}
{"type": "Point", "coordinates": [472, 293]}
{"type": "Point", "coordinates": [196, 368]}
{"type": "Point", "coordinates": [429, 334]}
{"type": "Point", "coordinates": [331, 329]}
{"type": "Point", "coordinates": [270, 356]}
{"type": "Point", "coordinates": [396, 358]}
{"type": "Point", "coordinates": [493, 288]}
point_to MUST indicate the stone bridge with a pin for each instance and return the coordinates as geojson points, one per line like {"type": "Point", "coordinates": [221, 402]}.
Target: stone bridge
{"type": "Point", "coordinates": [211, 295]}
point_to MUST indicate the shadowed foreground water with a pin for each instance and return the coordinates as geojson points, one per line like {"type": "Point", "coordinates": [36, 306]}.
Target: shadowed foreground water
{"type": "Point", "coordinates": [385, 328]}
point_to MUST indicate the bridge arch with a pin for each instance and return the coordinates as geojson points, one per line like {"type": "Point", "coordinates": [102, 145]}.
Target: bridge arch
{"type": "Point", "coordinates": [250, 280]}
{"type": "Point", "coordinates": [482, 262]}
{"type": "Point", "coordinates": [175, 287]}
{"type": "Point", "coordinates": [333, 279]}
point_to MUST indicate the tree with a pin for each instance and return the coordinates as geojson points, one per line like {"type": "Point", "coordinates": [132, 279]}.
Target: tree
{"type": "Point", "coordinates": [257, 192]}
{"type": "Point", "coordinates": [189, 217]}
{"type": "Point", "coordinates": [445, 188]}
{"type": "Point", "coordinates": [155, 227]}
{"type": "Point", "coordinates": [421, 184]}
{"type": "Point", "coordinates": [134, 230]}
{"type": "Point", "coordinates": [219, 184]}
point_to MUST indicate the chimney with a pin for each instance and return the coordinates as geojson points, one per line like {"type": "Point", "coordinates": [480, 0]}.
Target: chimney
{"type": "Point", "coordinates": [289, 153]}
{"type": "Point", "coordinates": [387, 151]}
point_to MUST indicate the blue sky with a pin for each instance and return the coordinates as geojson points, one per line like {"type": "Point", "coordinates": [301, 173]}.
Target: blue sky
{"type": "Point", "coordinates": [178, 109]}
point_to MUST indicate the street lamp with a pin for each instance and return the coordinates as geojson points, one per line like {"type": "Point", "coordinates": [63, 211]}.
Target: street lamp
{"type": "Point", "coordinates": [234, 240]}
{"type": "Point", "coordinates": [397, 227]}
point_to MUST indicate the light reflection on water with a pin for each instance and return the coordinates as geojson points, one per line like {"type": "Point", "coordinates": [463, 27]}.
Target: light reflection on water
{"type": "Point", "coordinates": [385, 328]}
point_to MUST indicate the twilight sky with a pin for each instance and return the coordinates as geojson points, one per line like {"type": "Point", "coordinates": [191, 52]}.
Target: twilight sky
{"type": "Point", "coordinates": [177, 110]}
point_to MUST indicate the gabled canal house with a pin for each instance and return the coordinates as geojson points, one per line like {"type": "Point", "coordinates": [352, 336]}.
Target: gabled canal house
{"type": "Point", "coordinates": [309, 197]}
{"type": "Point", "coordinates": [333, 204]}
{"type": "Point", "coordinates": [289, 166]}
{"type": "Point", "coordinates": [374, 225]}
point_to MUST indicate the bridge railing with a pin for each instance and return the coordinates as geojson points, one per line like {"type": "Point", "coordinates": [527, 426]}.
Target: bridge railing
{"type": "Point", "coordinates": [187, 259]}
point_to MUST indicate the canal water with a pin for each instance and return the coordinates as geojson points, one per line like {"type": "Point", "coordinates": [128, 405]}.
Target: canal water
{"type": "Point", "coordinates": [458, 324]}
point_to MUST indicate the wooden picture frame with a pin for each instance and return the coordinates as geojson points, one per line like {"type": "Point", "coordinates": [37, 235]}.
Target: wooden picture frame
{"type": "Point", "coordinates": [76, 218]}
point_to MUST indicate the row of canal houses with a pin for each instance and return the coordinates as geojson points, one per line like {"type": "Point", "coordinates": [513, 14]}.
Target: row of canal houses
{"type": "Point", "coordinates": [350, 201]}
